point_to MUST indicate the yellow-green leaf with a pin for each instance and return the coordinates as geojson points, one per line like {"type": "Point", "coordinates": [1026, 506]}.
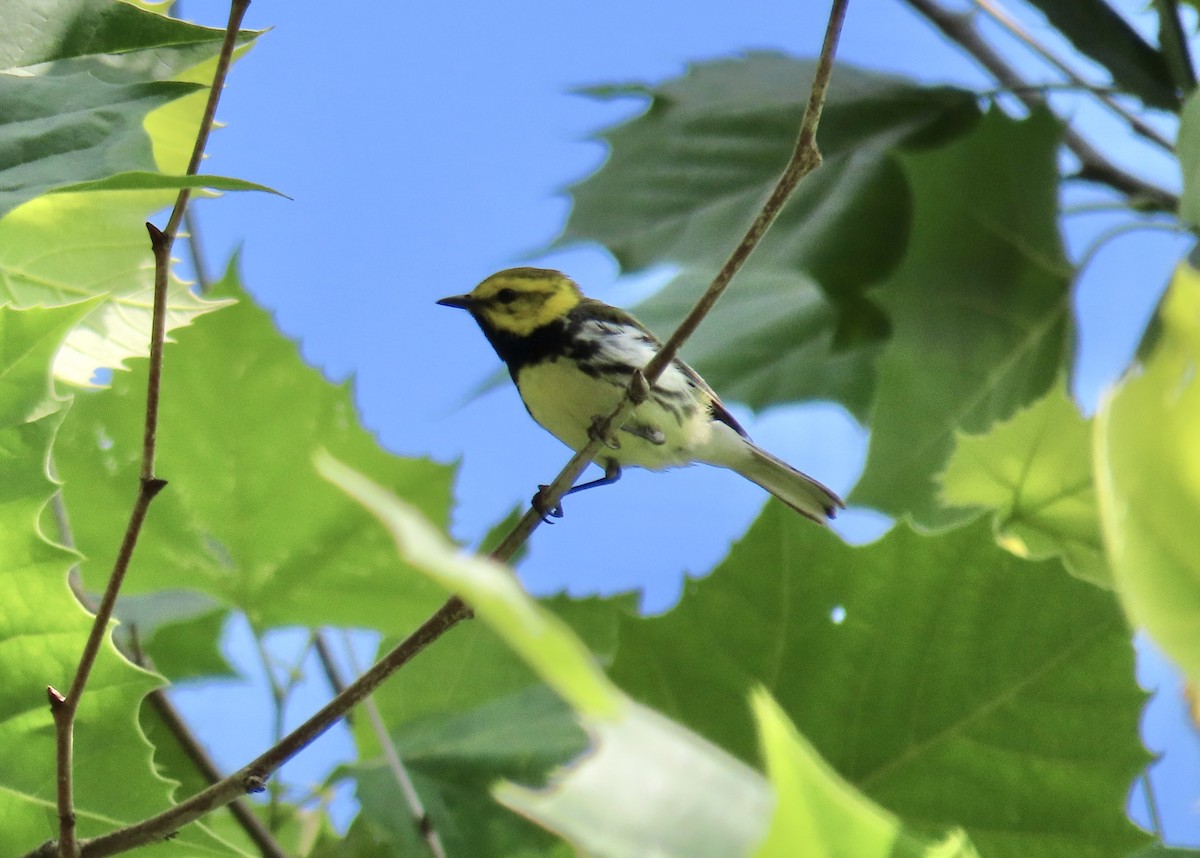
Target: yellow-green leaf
{"type": "Point", "coordinates": [1147, 448]}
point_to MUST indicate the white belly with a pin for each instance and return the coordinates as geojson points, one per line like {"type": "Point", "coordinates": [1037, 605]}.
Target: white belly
{"type": "Point", "coordinates": [565, 401]}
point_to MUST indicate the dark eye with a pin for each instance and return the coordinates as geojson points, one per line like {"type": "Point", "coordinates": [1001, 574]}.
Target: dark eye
{"type": "Point", "coordinates": [506, 296]}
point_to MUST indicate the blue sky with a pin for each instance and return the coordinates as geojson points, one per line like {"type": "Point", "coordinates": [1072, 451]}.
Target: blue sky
{"type": "Point", "coordinates": [426, 146]}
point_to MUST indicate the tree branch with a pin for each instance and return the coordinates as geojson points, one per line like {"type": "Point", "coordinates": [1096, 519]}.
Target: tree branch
{"type": "Point", "coordinates": [994, 10]}
{"type": "Point", "coordinates": [252, 777]}
{"type": "Point", "coordinates": [64, 707]}
{"type": "Point", "coordinates": [1093, 165]}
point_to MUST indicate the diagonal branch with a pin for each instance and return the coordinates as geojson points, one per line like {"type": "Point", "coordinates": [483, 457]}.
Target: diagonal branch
{"type": "Point", "coordinates": [252, 777]}
{"type": "Point", "coordinates": [64, 707]}
{"type": "Point", "coordinates": [994, 10]}
{"type": "Point", "coordinates": [1093, 165]}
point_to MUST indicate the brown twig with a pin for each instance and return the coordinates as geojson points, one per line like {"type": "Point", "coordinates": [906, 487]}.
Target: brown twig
{"type": "Point", "coordinates": [64, 707]}
{"type": "Point", "coordinates": [1093, 165]}
{"type": "Point", "coordinates": [158, 700]}
{"type": "Point", "coordinates": [258, 833]}
{"type": "Point", "coordinates": [252, 777]}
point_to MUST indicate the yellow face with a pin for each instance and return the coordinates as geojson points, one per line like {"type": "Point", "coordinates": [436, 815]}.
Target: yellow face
{"type": "Point", "coordinates": [520, 300]}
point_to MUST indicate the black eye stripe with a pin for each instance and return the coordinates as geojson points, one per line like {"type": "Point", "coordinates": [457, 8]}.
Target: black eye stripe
{"type": "Point", "coordinates": [506, 296]}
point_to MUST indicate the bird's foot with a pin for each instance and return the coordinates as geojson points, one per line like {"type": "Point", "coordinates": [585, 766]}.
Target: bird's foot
{"type": "Point", "coordinates": [545, 509]}
{"type": "Point", "coordinates": [647, 432]}
{"type": "Point", "coordinates": [595, 432]}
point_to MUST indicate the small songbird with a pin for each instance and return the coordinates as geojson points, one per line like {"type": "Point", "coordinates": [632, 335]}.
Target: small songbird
{"type": "Point", "coordinates": [572, 358]}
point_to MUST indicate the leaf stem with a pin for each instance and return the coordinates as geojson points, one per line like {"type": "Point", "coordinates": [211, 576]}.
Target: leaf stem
{"type": "Point", "coordinates": [1093, 165]}
{"type": "Point", "coordinates": [64, 707]}
{"type": "Point", "coordinates": [422, 821]}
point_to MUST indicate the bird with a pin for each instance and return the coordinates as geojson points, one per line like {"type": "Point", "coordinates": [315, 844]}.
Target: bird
{"type": "Point", "coordinates": [572, 358]}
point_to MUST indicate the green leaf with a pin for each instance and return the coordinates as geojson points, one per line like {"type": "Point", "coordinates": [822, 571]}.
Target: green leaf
{"type": "Point", "coordinates": [437, 685]}
{"type": "Point", "coordinates": [1035, 472]}
{"type": "Point", "coordinates": [1148, 478]}
{"type": "Point", "coordinates": [140, 180]}
{"type": "Point", "coordinates": [471, 677]}
{"type": "Point", "coordinates": [685, 179]}
{"type": "Point", "coordinates": [72, 127]}
{"type": "Point", "coordinates": [43, 630]}
{"type": "Point", "coordinates": [751, 348]}
{"type": "Point", "coordinates": [178, 630]}
{"type": "Point", "coordinates": [646, 785]}
{"type": "Point", "coordinates": [244, 519]}
{"type": "Point", "coordinates": [979, 307]}
{"type": "Point", "coordinates": [954, 684]}
{"type": "Point", "coordinates": [1187, 145]}
{"type": "Point", "coordinates": [818, 814]}
{"type": "Point", "coordinates": [1099, 31]}
{"type": "Point", "coordinates": [454, 759]}
{"type": "Point", "coordinates": [100, 249]}
{"type": "Point", "coordinates": [98, 109]}
{"type": "Point", "coordinates": [51, 31]}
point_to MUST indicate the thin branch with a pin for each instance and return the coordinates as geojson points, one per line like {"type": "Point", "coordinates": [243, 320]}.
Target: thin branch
{"type": "Point", "coordinates": [196, 252]}
{"type": "Point", "coordinates": [1001, 16]}
{"type": "Point", "coordinates": [161, 703]}
{"type": "Point", "coordinates": [1093, 165]}
{"type": "Point", "coordinates": [1174, 41]}
{"type": "Point", "coordinates": [252, 777]}
{"type": "Point", "coordinates": [64, 707]}
{"type": "Point", "coordinates": [329, 665]}
{"type": "Point", "coordinates": [421, 818]}
{"type": "Point", "coordinates": [258, 833]}
{"type": "Point", "coordinates": [279, 695]}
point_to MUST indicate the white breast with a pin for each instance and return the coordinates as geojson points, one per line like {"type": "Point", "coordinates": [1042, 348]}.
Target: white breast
{"type": "Point", "coordinates": [565, 400]}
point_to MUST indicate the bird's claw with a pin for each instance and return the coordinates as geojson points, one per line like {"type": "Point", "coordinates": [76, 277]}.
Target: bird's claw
{"type": "Point", "coordinates": [595, 433]}
{"type": "Point", "coordinates": [545, 510]}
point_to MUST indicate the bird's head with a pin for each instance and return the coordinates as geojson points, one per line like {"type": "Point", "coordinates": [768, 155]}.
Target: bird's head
{"type": "Point", "coordinates": [518, 301]}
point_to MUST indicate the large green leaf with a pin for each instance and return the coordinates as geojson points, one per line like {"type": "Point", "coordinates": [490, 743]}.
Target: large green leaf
{"type": "Point", "coordinates": [1035, 472]}
{"type": "Point", "coordinates": [244, 518]}
{"type": "Point", "coordinates": [979, 308]}
{"type": "Point", "coordinates": [953, 683]}
{"type": "Point", "coordinates": [1099, 31]}
{"type": "Point", "coordinates": [815, 808]}
{"type": "Point", "coordinates": [99, 247]}
{"type": "Point", "coordinates": [43, 629]}
{"type": "Point", "coordinates": [97, 106]}
{"type": "Point", "coordinates": [646, 786]}
{"type": "Point", "coordinates": [1148, 477]}
{"type": "Point", "coordinates": [51, 31]}
{"type": "Point", "coordinates": [772, 340]}
{"type": "Point", "coordinates": [453, 760]}
{"type": "Point", "coordinates": [72, 127]}
{"type": "Point", "coordinates": [686, 177]}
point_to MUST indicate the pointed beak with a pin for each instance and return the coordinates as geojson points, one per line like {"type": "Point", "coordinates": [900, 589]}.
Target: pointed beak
{"type": "Point", "coordinates": [463, 302]}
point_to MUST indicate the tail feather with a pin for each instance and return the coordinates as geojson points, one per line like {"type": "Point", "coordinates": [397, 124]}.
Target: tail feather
{"type": "Point", "coordinates": [798, 490]}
